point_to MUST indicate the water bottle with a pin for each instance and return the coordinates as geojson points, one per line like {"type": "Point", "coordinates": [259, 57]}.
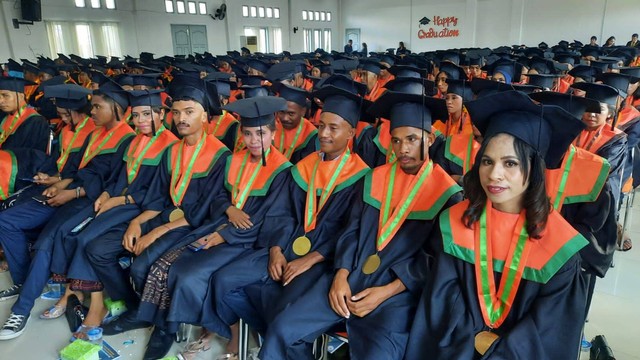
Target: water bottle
{"type": "Point", "coordinates": [94, 336]}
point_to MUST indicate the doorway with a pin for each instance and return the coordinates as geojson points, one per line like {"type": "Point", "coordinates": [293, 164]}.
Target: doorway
{"type": "Point", "coordinates": [189, 39]}
{"type": "Point", "coordinates": [353, 35]}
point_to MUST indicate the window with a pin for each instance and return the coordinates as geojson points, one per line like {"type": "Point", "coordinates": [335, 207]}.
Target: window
{"type": "Point", "coordinates": [80, 3]}
{"type": "Point", "coordinates": [304, 15]}
{"type": "Point", "coordinates": [111, 39]}
{"type": "Point", "coordinates": [86, 39]}
{"type": "Point", "coordinates": [110, 4]}
{"type": "Point", "coordinates": [192, 7]}
{"type": "Point", "coordinates": [269, 12]}
{"type": "Point", "coordinates": [277, 40]}
{"type": "Point", "coordinates": [327, 40]}
{"type": "Point", "coordinates": [168, 6]}
{"type": "Point", "coordinates": [328, 16]}
{"type": "Point", "coordinates": [203, 8]}
{"type": "Point", "coordinates": [261, 11]}
{"type": "Point", "coordinates": [180, 7]}
{"type": "Point", "coordinates": [310, 15]}
{"type": "Point", "coordinates": [85, 44]}
{"type": "Point", "coordinates": [95, 4]}
{"type": "Point", "coordinates": [276, 13]}
{"type": "Point", "coordinates": [254, 11]}
{"type": "Point", "coordinates": [245, 11]}
{"type": "Point", "coordinates": [317, 38]}
{"type": "Point", "coordinates": [317, 17]}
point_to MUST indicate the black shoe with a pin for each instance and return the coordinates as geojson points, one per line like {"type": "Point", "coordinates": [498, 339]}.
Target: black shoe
{"type": "Point", "coordinates": [10, 293]}
{"type": "Point", "coordinates": [159, 344]}
{"type": "Point", "coordinates": [127, 321]}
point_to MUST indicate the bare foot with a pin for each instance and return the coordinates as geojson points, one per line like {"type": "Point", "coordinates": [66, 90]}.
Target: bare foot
{"type": "Point", "coordinates": [233, 344]}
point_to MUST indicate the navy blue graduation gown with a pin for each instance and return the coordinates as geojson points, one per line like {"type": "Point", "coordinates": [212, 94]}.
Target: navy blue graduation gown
{"type": "Point", "coordinates": [383, 332]}
{"type": "Point", "coordinates": [33, 133]}
{"type": "Point", "coordinates": [282, 225]}
{"type": "Point", "coordinates": [189, 275]}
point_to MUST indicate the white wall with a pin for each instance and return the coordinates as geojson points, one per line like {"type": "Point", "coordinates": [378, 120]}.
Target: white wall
{"type": "Point", "coordinates": [297, 39]}
{"type": "Point", "coordinates": [490, 23]}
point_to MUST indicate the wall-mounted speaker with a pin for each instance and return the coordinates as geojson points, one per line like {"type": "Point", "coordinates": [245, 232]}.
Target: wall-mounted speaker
{"type": "Point", "coordinates": [31, 10]}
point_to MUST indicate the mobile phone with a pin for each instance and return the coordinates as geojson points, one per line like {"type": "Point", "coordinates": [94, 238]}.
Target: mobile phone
{"type": "Point", "coordinates": [197, 245]}
{"type": "Point", "coordinates": [41, 199]}
{"type": "Point", "coordinates": [82, 225]}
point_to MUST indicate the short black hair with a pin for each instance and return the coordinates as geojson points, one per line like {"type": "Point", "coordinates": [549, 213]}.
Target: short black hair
{"type": "Point", "coordinates": [634, 35]}
{"type": "Point", "coordinates": [594, 37]}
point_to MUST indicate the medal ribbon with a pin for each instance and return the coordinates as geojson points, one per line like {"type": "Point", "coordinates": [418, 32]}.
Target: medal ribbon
{"type": "Point", "coordinates": [89, 153]}
{"type": "Point", "coordinates": [242, 198]}
{"type": "Point", "coordinates": [293, 144]}
{"type": "Point", "coordinates": [180, 182]}
{"type": "Point", "coordinates": [64, 155]}
{"type": "Point", "coordinates": [389, 224]}
{"type": "Point", "coordinates": [496, 306]}
{"type": "Point", "coordinates": [5, 134]}
{"type": "Point", "coordinates": [312, 208]}
{"type": "Point", "coordinates": [134, 161]}
{"type": "Point", "coordinates": [557, 203]}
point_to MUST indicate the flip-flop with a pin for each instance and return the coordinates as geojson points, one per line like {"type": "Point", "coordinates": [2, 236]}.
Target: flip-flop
{"type": "Point", "coordinates": [54, 312]}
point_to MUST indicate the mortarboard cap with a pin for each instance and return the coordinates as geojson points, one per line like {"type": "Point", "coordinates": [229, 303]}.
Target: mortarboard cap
{"type": "Point", "coordinates": [345, 83]}
{"type": "Point", "coordinates": [544, 81]}
{"type": "Point", "coordinates": [575, 105]}
{"type": "Point", "coordinates": [184, 87]}
{"type": "Point", "coordinates": [618, 81]}
{"type": "Point", "coordinates": [407, 71]}
{"type": "Point", "coordinates": [453, 71]}
{"type": "Point", "coordinates": [585, 72]}
{"type": "Point", "coordinates": [371, 66]}
{"type": "Point", "coordinates": [411, 85]}
{"type": "Point", "coordinates": [251, 80]}
{"type": "Point", "coordinates": [539, 126]}
{"type": "Point", "coordinates": [599, 92]}
{"type": "Point", "coordinates": [633, 71]}
{"type": "Point", "coordinates": [14, 84]}
{"type": "Point", "coordinates": [251, 91]}
{"type": "Point", "coordinates": [115, 92]}
{"type": "Point", "coordinates": [451, 56]}
{"type": "Point", "coordinates": [68, 96]}
{"type": "Point", "coordinates": [124, 80]}
{"type": "Point", "coordinates": [343, 103]}
{"type": "Point", "coordinates": [12, 65]}
{"type": "Point", "coordinates": [510, 69]}
{"type": "Point", "coordinates": [411, 110]}
{"type": "Point", "coordinates": [461, 88]}
{"type": "Point", "coordinates": [145, 98]}
{"type": "Point", "coordinates": [257, 111]}
{"type": "Point", "coordinates": [259, 65]}
{"type": "Point", "coordinates": [150, 80]}
{"type": "Point", "coordinates": [604, 64]}
{"type": "Point", "coordinates": [293, 94]}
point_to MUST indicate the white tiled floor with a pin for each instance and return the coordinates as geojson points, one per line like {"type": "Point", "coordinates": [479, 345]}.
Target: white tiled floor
{"type": "Point", "coordinates": [615, 312]}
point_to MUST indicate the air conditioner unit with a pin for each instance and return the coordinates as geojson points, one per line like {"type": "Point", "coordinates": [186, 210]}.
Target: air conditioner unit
{"type": "Point", "coordinates": [250, 42]}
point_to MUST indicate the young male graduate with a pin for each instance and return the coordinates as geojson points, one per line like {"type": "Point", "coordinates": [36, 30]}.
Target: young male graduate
{"type": "Point", "coordinates": [224, 126]}
{"type": "Point", "coordinates": [296, 137]}
{"type": "Point", "coordinates": [22, 126]}
{"type": "Point", "coordinates": [599, 137]}
{"type": "Point", "coordinates": [119, 203]}
{"type": "Point", "coordinates": [463, 312]}
{"type": "Point", "coordinates": [298, 247]}
{"type": "Point", "coordinates": [187, 184]}
{"type": "Point", "coordinates": [377, 149]}
{"type": "Point", "coordinates": [255, 178]}
{"type": "Point", "coordinates": [63, 205]}
{"type": "Point", "coordinates": [380, 259]}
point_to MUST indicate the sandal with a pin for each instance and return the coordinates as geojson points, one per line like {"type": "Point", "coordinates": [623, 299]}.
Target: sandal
{"type": "Point", "coordinates": [195, 347]}
{"type": "Point", "coordinates": [54, 312]}
{"type": "Point", "coordinates": [624, 240]}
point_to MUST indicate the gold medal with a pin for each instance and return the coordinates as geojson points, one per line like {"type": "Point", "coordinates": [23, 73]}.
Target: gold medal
{"type": "Point", "coordinates": [484, 340]}
{"type": "Point", "coordinates": [371, 265]}
{"type": "Point", "coordinates": [176, 214]}
{"type": "Point", "coordinates": [301, 246]}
